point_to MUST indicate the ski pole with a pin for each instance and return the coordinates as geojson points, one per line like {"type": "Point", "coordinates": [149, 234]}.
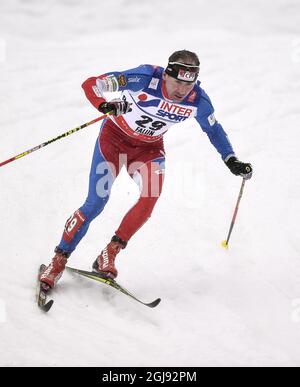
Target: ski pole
{"type": "Point", "coordinates": [225, 242]}
{"type": "Point", "coordinates": [53, 139]}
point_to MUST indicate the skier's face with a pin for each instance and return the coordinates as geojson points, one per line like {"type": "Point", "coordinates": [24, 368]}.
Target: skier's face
{"type": "Point", "coordinates": [177, 90]}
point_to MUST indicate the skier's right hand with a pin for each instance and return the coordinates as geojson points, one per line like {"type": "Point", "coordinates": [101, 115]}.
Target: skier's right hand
{"type": "Point", "coordinates": [116, 107]}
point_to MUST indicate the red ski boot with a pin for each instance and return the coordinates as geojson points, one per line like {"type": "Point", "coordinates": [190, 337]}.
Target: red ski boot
{"type": "Point", "coordinates": [105, 263]}
{"type": "Point", "coordinates": [54, 271]}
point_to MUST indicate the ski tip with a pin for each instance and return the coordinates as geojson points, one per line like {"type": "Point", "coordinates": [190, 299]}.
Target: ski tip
{"type": "Point", "coordinates": [154, 303]}
{"type": "Point", "coordinates": [46, 307]}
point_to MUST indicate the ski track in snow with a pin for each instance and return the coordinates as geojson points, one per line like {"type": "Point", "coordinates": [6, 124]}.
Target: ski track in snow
{"type": "Point", "coordinates": [236, 307]}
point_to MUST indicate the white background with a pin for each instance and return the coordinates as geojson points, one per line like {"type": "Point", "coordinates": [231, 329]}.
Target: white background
{"type": "Point", "coordinates": [219, 307]}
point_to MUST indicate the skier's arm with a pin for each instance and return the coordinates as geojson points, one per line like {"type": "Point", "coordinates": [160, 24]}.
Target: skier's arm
{"type": "Point", "coordinates": [92, 92]}
{"type": "Point", "coordinates": [133, 79]}
{"type": "Point", "coordinates": [214, 131]}
{"type": "Point", "coordinates": [219, 139]}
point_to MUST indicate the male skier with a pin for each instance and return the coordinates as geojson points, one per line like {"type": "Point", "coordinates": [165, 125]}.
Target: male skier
{"type": "Point", "coordinates": [153, 99]}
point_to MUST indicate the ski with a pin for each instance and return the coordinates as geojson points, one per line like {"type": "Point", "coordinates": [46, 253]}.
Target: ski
{"type": "Point", "coordinates": [108, 281]}
{"type": "Point", "coordinates": [41, 294]}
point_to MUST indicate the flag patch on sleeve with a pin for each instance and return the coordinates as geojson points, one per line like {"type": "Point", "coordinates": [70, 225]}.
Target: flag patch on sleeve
{"type": "Point", "coordinates": [211, 119]}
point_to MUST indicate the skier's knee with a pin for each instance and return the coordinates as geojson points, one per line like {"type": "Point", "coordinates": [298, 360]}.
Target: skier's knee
{"type": "Point", "coordinates": [92, 208]}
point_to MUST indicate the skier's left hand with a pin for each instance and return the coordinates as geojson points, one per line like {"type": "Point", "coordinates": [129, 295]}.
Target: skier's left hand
{"type": "Point", "coordinates": [238, 168]}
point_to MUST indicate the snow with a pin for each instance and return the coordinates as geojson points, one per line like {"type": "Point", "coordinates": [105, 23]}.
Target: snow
{"type": "Point", "coordinates": [235, 307]}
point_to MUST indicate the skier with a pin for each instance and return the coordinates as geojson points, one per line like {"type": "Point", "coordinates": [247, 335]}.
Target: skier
{"type": "Point", "coordinates": [153, 99]}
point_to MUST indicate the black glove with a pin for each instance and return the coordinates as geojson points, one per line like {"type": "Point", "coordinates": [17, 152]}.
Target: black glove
{"type": "Point", "coordinates": [238, 168]}
{"type": "Point", "coordinates": [116, 107]}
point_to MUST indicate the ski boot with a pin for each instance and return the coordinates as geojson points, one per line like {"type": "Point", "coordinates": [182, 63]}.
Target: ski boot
{"type": "Point", "coordinates": [54, 271]}
{"type": "Point", "coordinates": [105, 262]}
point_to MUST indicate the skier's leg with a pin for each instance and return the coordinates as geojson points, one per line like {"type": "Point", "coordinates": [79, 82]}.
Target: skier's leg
{"type": "Point", "coordinates": [150, 178]}
{"type": "Point", "coordinates": [101, 178]}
